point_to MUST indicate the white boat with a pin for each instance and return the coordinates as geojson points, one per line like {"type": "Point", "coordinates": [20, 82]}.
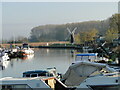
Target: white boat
{"type": "Point", "coordinates": [91, 75]}
{"type": "Point", "coordinates": [92, 57]}
{"type": "Point", "coordinates": [10, 83]}
{"type": "Point", "coordinates": [14, 50]}
{"type": "Point", "coordinates": [84, 73]}
{"type": "Point", "coordinates": [105, 82]}
{"type": "Point", "coordinates": [26, 50]}
{"type": "Point", "coordinates": [34, 83]}
{"type": "Point", "coordinates": [3, 56]}
{"type": "Point", "coordinates": [4, 60]}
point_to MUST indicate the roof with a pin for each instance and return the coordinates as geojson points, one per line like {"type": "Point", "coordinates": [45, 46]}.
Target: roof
{"type": "Point", "coordinates": [87, 54]}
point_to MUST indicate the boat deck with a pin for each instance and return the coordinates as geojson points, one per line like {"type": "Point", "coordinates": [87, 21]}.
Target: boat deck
{"type": "Point", "coordinates": [21, 78]}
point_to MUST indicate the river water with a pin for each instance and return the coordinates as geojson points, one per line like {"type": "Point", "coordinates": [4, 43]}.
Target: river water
{"type": "Point", "coordinates": [42, 59]}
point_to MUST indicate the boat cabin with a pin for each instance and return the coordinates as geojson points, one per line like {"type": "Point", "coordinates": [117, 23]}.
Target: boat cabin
{"type": "Point", "coordinates": [25, 45]}
{"type": "Point", "coordinates": [38, 73]}
{"type": "Point", "coordinates": [86, 57]}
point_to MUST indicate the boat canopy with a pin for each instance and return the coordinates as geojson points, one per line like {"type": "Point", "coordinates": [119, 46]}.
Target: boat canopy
{"type": "Point", "coordinates": [39, 72]}
{"type": "Point", "coordinates": [87, 54]}
{"type": "Point", "coordinates": [79, 71]}
{"type": "Point", "coordinates": [50, 72]}
{"type": "Point", "coordinates": [36, 71]}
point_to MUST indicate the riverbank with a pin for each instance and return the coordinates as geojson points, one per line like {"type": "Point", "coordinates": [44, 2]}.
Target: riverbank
{"type": "Point", "coordinates": [37, 43]}
{"type": "Point", "coordinates": [62, 45]}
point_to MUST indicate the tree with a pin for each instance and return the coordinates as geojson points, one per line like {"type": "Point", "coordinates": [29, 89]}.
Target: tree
{"type": "Point", "coordinates": [93, 33]}
{"type": "Point", "coordinates": [86, 36]}
{"type": "Point", "coordinates": [111, 34]}
{"type": "Point", "coordinates": [114, 22]}
{"type": "Point", "coordinates": [77, 39]}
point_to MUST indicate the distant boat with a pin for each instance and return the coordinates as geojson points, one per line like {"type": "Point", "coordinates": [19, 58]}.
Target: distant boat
{"type": "Point", "coordinates": [4, 59]}
{"type": "Point", "coordinates": [25, 50]}
{"type": "Point", "coordinates": [86, 57]}
{"type": "Point", "coordinates": [3, 56]}
{"type": "Point", "coordinates": [90, 57]}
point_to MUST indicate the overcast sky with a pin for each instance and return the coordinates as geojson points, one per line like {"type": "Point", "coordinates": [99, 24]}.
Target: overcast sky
{"type": "Point", "coordinates": [18, 18]}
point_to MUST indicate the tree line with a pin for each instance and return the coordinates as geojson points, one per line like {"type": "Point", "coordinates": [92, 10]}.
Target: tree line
{"type": "Point", "coordinates": [60, 33]}
{"type": "Point", "coordinates": [86, 31]}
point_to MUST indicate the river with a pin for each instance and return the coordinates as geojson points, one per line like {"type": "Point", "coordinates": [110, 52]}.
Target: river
{"type": "Point", "coordinates": [42, 59]}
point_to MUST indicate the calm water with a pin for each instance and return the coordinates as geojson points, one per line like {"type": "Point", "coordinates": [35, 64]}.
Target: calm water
{"type": "Point", "coordinates": [42, 59]}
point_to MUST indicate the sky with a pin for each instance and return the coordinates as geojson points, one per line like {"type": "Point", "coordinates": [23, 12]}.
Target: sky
{"type": "Point", "coordinates": [18, 18]}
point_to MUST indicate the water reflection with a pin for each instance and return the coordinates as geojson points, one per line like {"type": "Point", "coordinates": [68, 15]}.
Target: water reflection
{"type": "Point", "coordinates": [4, 65]}
{"type": "Point", "coordinates": [42, 59]}
{"type": "Point", "coordinates": [27, 57]}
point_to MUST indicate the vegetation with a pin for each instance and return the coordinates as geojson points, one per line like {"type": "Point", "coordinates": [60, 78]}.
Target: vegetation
{"type": "Point", "coordinates": [111, 34]}
{"type": "Point", "coordinates": [86, 31]}
{"type": "Point", "coordinates": [86, 36]}
{"type": "Point", "coordinates": [59, 32]}
{"type": "Point", "coordinates": [114, 28]}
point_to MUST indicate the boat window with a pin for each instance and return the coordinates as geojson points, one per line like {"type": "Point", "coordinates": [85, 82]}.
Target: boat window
{"type": "Point", "coordinates": [51, 75]}
{"type": "Point", "coordinates": [20, 86]}
{"type": "Point", "coordinates": [6, 87]}
{"type": "Point", "coordinates": [84, 58]}
{"type": "Point", "coordinates": [42, 74]}
{"type": "Point", "coordinates": [33, 75]}
{"type": "Point", "coordinates": [14, 87]}
{"type": "Point", "coordinates": [106, 87]}
{"type": "Point", "coordinates": [28, 75]}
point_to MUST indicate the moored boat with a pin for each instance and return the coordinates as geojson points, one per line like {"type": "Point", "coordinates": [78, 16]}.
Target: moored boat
{"type": "Point", "coordinates": [86, 57]}
{"type": "Point", "coordinates": [4, 59]}
{"type": "Point", "coordinates": [80, 75]}
{"type": "Point", "coordinates": [50, 72]}
{"type": "Point", "coordinates": [3, 56]}
{"type": "Point", "coordinates": [79, 72]}
{"type": "Point", "coordinates": [92, 57]}
{"type": "Point", "coordinates": [25, 50]}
